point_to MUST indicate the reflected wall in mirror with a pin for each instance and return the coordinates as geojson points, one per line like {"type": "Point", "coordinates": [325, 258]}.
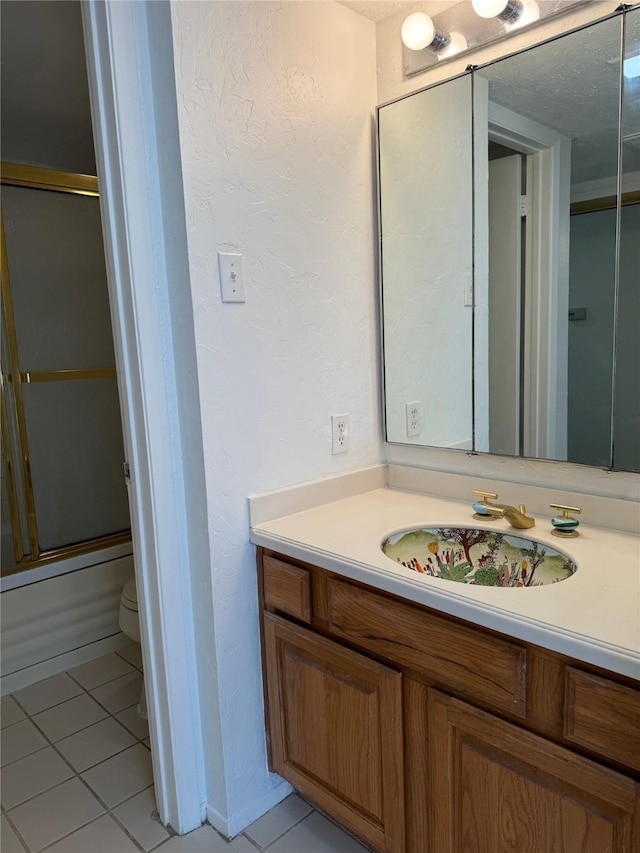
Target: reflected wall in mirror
{"type": "Point", "coordinates": [555, 251]}
{"type": "Point", "coordinates": [426, 223]}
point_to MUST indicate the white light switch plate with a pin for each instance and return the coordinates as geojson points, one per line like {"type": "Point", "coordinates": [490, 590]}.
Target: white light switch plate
{"type": "Point", "coordinates": [231, 277]}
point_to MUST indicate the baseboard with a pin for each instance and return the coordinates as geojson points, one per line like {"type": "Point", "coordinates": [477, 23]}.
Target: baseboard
{"type": "Point", "coordinates": [230, 827]}
{"type": "Point", "coordinates": [61, 663]}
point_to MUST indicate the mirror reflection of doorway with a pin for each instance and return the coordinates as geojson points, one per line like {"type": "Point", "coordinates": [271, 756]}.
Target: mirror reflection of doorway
{"type": "Point", "coordinates": [507, 241]}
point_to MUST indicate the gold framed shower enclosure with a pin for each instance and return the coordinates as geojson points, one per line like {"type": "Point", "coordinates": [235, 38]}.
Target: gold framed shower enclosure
{"type": "Point", "coordinates": [20, 506]}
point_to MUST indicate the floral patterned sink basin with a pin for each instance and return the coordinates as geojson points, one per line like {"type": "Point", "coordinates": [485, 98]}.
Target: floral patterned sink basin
{"type": "Point", "coordinates": [483, 557]}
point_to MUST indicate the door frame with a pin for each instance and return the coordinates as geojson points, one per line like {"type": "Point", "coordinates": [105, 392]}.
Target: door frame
{"type": "Point", "coordinates": [546, 329]}
{"type": "Point", "coordinates": [120, 40]}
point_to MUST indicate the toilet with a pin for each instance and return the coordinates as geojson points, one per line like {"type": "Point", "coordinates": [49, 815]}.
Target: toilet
{"type": "Point", "coordinates": [130, 625]}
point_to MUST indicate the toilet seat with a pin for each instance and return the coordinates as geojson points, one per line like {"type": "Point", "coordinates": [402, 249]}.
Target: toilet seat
{"type": "Point", "coordinates": [130, 625]}
{"type": "Point", "coordinates": [129, 620]}
{"type": "Point", "coordinates": [129, 597]}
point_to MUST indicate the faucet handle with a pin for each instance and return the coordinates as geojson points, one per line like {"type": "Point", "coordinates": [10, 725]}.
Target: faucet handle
{"type": "Point", "coordinates": [564, 525]}
{"type": "Point", "coordinates": [480, 506]}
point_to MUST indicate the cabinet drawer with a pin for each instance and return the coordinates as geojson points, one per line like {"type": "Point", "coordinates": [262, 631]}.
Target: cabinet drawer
{"type": "Point", "coordinates": [287, 588]}
{"type": "Point", "coordinates": [460, 659]}
{"type": "Point", "coordinates": [603, 716]}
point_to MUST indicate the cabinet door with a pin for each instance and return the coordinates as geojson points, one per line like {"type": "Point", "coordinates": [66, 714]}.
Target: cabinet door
{"type": "Point", "coordinates": [499, 789]}
{"type": "Point", "coordinates": [335, 726]}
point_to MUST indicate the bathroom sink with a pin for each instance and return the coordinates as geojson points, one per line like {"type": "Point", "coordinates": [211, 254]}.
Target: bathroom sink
{"type": "Point", "coordinates": [473, 556]}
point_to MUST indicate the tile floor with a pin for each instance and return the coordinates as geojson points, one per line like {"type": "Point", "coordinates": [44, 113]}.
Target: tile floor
{"type": "Point", "coordinates": [76, 776]}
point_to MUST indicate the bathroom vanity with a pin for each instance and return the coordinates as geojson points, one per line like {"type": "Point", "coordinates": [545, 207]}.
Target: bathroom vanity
{"type": "Point", "coordinates": [434, 717]}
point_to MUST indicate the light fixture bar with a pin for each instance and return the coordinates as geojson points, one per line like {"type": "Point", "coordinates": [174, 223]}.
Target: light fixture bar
{"type": "Point", "coordinates": [473, 30]}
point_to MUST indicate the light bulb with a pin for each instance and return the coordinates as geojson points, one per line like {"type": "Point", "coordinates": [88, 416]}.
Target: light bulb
{"type": "Point", "coordinates": [418, 31]}
{"type": "Point", "coordinates": [457, 43]}
{"type": "Point", "coordinates": [505, 10]}
{"type": "Point", "coordinates": [489, 8]}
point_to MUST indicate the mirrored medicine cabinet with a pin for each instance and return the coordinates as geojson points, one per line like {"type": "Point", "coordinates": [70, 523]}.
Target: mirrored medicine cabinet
{"type": "Point", "coordinates": [510, 253]}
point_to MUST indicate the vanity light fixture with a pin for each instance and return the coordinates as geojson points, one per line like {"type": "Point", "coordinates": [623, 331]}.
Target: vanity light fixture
{"type": "Point", "coordinates": [428, 41]}
{"type": "Point", "coordinates": [457, 43]}
{"type": "Point", "coordinates": [420, 33]}
{"type": "Point", "coordinates": [513, 13]}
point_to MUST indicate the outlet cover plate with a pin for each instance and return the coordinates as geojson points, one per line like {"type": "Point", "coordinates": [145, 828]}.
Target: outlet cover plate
{"type": "Point", "coordinates": [339, 433]}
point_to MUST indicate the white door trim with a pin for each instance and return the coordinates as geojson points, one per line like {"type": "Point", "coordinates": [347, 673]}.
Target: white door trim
{"type": "Point", "coordinates": [125, 122]}
{"type": "Point", "coordinates": [546, 303]}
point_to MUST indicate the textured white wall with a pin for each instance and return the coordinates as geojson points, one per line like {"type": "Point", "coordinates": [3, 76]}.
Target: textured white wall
{"type": "Point", "coordinates": [274, 104]}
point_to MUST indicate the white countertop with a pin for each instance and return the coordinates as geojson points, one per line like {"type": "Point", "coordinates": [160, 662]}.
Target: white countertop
{"type": "Point", "coordinates": [593, 616]}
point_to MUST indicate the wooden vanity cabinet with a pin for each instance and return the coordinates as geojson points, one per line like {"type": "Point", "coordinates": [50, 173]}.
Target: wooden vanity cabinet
{"type": "Point", "coordinates": [336, 730]}
{"type": "Point", "coordinates": [421, 733]}
{"type": "Point", "coordinates": [495, 786]}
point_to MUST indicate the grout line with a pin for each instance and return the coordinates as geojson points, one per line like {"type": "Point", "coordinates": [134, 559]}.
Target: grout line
{"type": "Point", "coordinates": [17, 832]}
{"type": "Point", "coordinates": [81, 729]}
{"type": "Point", "coordinates": [44, 790]}
{"type": "Point", "coordinates": [67, 834]}
{"type": "Point", "coordinates": [77, 774]}
{"type": "Point", "coordinates": [252, 842]}
{"type": "Point", "coordinates": [135, 665]}
{"type": "Point", "coordinates": [27, 755]}
{"type": "Point", "coordinates": [42, 710]}
{"type": "Point", "coordinates": [288, 829]}
{"type": "Point", "coordinates": [102, 705]}
{"type": "Point", "coordinates": [108, 681]}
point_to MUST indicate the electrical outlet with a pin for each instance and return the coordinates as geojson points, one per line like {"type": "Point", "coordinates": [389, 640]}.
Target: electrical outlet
{"type": "Point", "coordinates": [413, 418]}
{"type": "Point", "coordinates": [339, 433]}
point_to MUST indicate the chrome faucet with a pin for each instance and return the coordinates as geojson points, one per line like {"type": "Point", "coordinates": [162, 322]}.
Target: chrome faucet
{"type": "Point", "coordinates": [516, 517]}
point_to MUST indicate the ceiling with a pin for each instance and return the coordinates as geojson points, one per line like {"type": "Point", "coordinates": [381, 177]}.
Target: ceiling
{"type": "Point", "coordinates": [376, 10]}
{"type": "Point", "coordinates": [572, 85]}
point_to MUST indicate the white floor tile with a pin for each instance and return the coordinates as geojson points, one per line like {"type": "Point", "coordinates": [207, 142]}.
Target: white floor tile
{"type": "Point", "coordinates": [45, 694]}
{"type": "Point", "coordinates": [203, 840]}
{"type": "Point", "coordinates": [120, 693]}
{"type": "Point", "coordinates": [9, 841]}
{"type": "Point", "coordinates": [277, 821]}
{"type": "Point", "coordinates": [54, 814]}
{"type": "Point", "coordinates": [94, 744]}
{"type": "Point", "coordinates": [19, 740]}
{"type": "Point", "coordinates": [69, 717]}
{"type": "Point", "coordinates": [122, 776]}
{"type": "Point", "coordinates": [243, 845]}
{"type": "Point", "coordinates": [132, 654]}
{"type": "Point", "coordinates": [133, 721]}
{"type": "Point", "coordinates": [316, 834]}
{"type": "Point", "coordinates": [136, 816]}
{"type": "Point", "coordinates": [10, 711]}
{"type": "Point", "coordinates": [101, 670]}
{"type": "Point", "coordinates": [32, 775]}
{"type": "Point", "coordinates": [100, 836]}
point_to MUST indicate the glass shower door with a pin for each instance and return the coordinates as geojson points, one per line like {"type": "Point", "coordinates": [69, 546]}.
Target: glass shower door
{"type": "Point", "coordinates": [62, 438]}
